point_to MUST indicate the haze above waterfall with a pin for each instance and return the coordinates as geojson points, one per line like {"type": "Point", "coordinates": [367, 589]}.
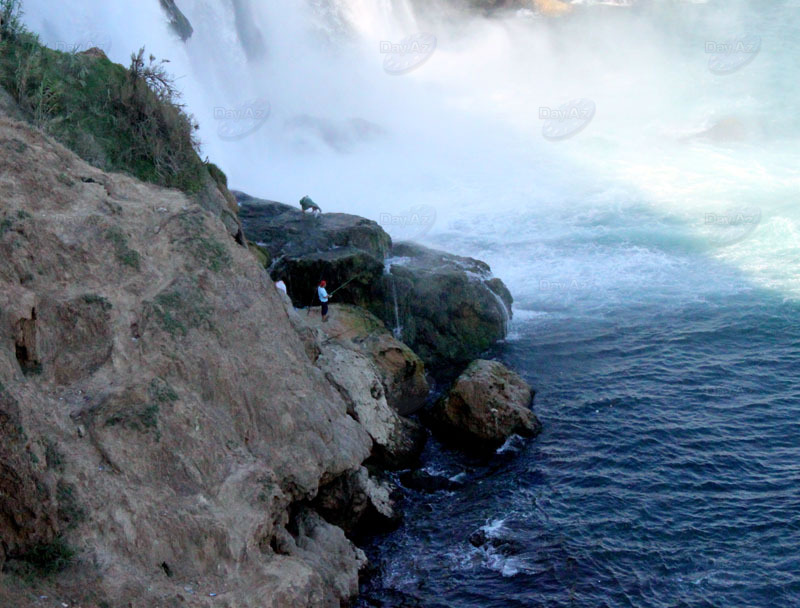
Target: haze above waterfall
{"type": "Point", "coordinates": [670, 145]}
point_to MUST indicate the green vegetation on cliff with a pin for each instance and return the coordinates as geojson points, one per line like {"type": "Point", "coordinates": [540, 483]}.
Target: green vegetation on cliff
{"type": "Point", "coordinates": [118, 119]}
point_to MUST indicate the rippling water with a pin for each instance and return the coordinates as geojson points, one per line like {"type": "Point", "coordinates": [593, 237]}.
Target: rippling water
{"type": "Point", "coordinates": [667, 473]}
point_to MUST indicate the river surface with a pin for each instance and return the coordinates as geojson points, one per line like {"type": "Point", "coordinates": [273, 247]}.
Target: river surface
{"type": "Point", "coordinates": [666, 474]}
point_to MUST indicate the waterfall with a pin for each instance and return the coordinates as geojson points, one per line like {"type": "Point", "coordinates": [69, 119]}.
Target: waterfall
{"type": "Point", "coordinates": [294, 98]}
{"type": "Point", "coordinates": [397, 330]}
{"type": "Point", "coordinates": [506, 314]}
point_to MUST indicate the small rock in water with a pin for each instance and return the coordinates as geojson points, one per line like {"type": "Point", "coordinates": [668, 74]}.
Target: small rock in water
{"type": "Point", "coordinates": [425, 482]}
{"type": "Point", "coordinates": [477, 538]}
{"type": "Point", "coordinates": [485, 406]}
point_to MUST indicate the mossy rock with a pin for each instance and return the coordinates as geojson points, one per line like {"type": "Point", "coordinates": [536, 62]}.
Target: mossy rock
{"type": "Point", "coordinates": [449, 309]}
{"type": "Point", "coordinates": [261, 254]}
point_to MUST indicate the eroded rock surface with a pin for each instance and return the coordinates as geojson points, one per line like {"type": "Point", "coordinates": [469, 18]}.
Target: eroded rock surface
{"type": "Point", "coordinates": [401, 371]}
{"type": "Point", "coordinates": [447, 308]}
{"type": "Point", "coordinates": [358, 502]}
{"type": "Point", "coordinates": [158, 413]}
{"type": "Point", "coordinates": [350, 350]}
{"type": "Point", "coordinates": [486, 404]}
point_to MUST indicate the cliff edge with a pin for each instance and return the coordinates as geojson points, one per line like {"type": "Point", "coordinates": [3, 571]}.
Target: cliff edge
{"type": "Point", "coordinates": [164, 431]}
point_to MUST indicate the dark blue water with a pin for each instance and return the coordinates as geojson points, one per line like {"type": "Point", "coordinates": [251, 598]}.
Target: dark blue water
{"type": "Point", "coordinates": [668, 472]}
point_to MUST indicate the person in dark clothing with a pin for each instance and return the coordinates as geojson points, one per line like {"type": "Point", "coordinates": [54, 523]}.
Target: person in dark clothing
{"type": "Point", "coordinates": [306, 203]}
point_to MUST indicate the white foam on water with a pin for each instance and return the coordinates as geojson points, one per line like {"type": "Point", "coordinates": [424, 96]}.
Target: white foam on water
{"type": "Point", "coordinates": [514, 443]}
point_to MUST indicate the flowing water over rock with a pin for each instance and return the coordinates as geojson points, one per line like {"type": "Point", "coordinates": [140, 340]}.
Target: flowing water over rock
{"type": "Point", "coordinates": [397, 330]}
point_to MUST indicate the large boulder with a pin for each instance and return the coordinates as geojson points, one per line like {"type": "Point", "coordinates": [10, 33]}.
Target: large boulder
{"type": "Point", "coordinates": [486, 405]}
{"type": "Point", "coordinates": [306, 248]}
{"type": "Point", "coordinates": [448, 308]}
{"type": "Point", "coordinates": [401, 371]}
{"type": "Point", "coordinates": [286, 230]}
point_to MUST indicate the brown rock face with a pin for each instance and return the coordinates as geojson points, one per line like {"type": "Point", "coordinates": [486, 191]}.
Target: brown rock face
{"type": "Point", "coordinates": [350, 349]}
{"type": "Point", "coordinates": [27, 511]}
{"type": "Point", "coordinates": [487, 404]}
{"type": "Point", "coordinates": [401, 370]}
{"type": "Point", "coordinates": [157, 408]}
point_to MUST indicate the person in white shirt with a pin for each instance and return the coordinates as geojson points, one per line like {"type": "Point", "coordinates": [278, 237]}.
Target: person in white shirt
{"type": "Point", "coordinates": [323, 297]}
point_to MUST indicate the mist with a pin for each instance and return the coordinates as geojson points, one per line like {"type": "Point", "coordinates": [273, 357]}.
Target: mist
{"type": "Point", "coordinates": [295, 98]}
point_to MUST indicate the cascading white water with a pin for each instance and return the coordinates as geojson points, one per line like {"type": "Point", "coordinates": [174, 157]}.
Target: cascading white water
{"type": "Point", "coordinates": [397, 330]}
{"type": "Point", "coordinates": [676, 158]}
{"type": "Point", "coordinates": [502, 308]}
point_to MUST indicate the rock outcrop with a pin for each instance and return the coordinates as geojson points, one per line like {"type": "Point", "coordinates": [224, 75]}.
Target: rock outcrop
{"type": "Point", "coordinates": [401, 371]}
{"type": "Point", "coordinates": [159, 417]}
{"type": "Point", "coordinates": [447, 308]}
{"type": "Point", "coordinates": [177, 20]}
{"type": "Point", "coordinates": [486, 404]}
{"type": "Point", "coordinates": [306, 248]}
{"type": "Point", "coordinates": [351, 351]}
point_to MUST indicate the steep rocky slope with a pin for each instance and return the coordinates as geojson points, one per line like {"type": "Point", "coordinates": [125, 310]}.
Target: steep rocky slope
{"type": "Point", "coordinates": [160, 417]}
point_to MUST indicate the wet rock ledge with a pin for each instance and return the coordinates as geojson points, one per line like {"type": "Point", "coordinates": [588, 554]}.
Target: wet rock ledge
{"type": "Point", "coordinates": [447, 308]}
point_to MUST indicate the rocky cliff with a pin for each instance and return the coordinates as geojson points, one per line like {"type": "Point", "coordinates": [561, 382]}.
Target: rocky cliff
{"type": "Point", "coordinates": [447, 308]}
{"type": "Point", "coordinates": [172, 431]}
{"type": "Point", "coordinates": [164, 431]}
